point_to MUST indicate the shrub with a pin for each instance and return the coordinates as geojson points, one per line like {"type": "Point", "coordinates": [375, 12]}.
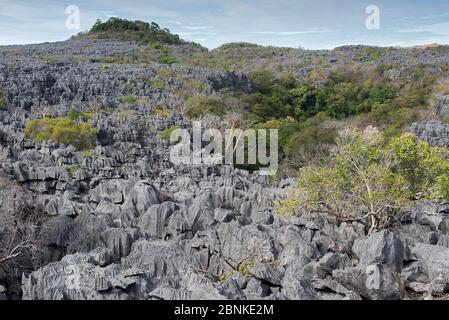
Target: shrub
{"type": "Point", "coordinates": [2, 101]}
{"type": "Point", "coordinates": [167, 60]}
{"type": "Point", "coordinates": [311, 145]}
{"type": "Point", "coordinates": [62, 130]}
{"type": "Point", "coordinates": [369, 182]}
{"type": "Point", "coordinates": [163, 112]}
{"type": "Point", "coordinates": [425, 168]}
{"type": "Point", "coordinates": [75, 115]}
{"type": "Point", "coordinates": [158, 84]}
{"type": "Point", "coordinates": [286, 129]}
{"type": "Point", "coordinates": [264, 81]}
{"type": "Point", "coordinates": [129, 100]}
{"type": "Point", "coordinates": [2, 104]}
{"type": "Point", "coordinates": [166, 134]}
{"type": "Point", "coordinates": [198, 106]}
{"type": "Point", "coordinates": [87, 154]}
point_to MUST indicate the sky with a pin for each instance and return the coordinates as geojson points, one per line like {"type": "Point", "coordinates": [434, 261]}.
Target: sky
{"type": "Point", "coordinates": [310, 24]}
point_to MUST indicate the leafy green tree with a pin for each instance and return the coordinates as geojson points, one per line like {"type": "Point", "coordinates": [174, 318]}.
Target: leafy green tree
{"type": "Point", "coordinates": [264, 81]}
{"type": "Point", "coordinates": [63, 130]}
{"type": "Point", "coordinates": [370, 182]}
{"type": "Point", "coordinates": [425, 168]}
{"type": "Point", "coordinates": [197, 106]}
{"type": "Point", "coordinates": [116, 28]}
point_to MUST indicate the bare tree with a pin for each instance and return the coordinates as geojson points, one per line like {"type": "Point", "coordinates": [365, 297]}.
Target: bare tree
{"type": "Point", "coordinates": [20, 222]}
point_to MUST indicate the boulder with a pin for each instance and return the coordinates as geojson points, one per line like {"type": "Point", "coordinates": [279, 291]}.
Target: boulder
{"type": "Point", "coordinates": [375, 281]}
{"type": "Point", "coordinates": [435, 261]}
{"type": "Point", "coordinates": [383, 247]}
{"type": "Point", "coordinates": [118, 241]}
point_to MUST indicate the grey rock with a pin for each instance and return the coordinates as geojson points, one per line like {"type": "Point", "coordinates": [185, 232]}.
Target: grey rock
{"type": "Point", "coordinates": [256, 289]}
{"type": "Point", "coordinates": [435, 261]}
{"type": "Point", "coordinates": [375, 281]}
{"type": "Point", "coordinates": [3, 296]}
{"type": "Point", "coordinates": [118, 241]}
{"type": "Point", "coordinates": [268, 275]}
{"type": "Point", "coordinates": [442, 105]}
{"type": "Point", "coordinates": [124, 222]}
{"type": "Point", "coordinates": [232, 290]}
{"type": "Point", "coordinates": [436, 133]}
{"type": "Point", "coordinates": [383, 247]}
{"type": "Point", "coordinates": [298, 289]}
{"type": "Point", "coordinates": [154, 222]}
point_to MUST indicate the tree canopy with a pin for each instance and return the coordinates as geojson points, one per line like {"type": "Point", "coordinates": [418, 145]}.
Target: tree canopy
{"type": "Point", "coordinates": [369, 181]}
{"type": "Point", "coordinates": [122, 29]}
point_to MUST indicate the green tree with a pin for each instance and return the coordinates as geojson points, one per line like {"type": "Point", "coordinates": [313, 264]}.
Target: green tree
{"type": "Point", "coordinates": [116, 28]}
{"type": "Point", "coordinates": [369, 182]}
{"type": "Point", "coordinates": [425, 168]}
{"type": "Point", "coordinates": [197, 106]}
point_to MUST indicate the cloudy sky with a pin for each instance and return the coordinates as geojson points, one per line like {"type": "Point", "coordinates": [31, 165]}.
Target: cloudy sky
{"type": "Point", "coordinates": [294, 23]}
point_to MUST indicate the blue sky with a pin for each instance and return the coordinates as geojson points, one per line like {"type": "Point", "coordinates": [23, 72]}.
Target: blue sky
{"type": "Point", "coordinates": [294, 23]}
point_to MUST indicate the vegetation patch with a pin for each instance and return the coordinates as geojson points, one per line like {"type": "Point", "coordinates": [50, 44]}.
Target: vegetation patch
{"type": "Point", "coordinates": [163, 112]}
{"type": "Point", "coordinates": [139, 31]}
{"type": "Point", "coordinates": [49, 58]}
{"type": "Point", "coordinates": [87, 154]}
{"type": "Point", "coordinates": [3, 105]}
{"type": "Point", "coordinates": [167, 60]}
{"type": "Point", "coordinates": [158, 84]}
{"type": "Point", "coordinates": [63, 130]}
{"type": "Point", "coordinates": [196, 106]}
{"type": "Point", "coordinates": [166, 134]}
{"type": "Point", "coordinates": [76, 115]}
{"type": "Point", "coordinates": [370, 181]}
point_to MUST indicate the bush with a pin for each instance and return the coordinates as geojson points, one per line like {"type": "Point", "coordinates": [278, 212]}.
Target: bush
{"type": "Point", "coordinates": [310, 146]}
{"type": "Point", "coordinates": [198, 106]}
{"type": "Point", "coordinates": [3, 104]}
{"type": "Point", "coordinates": [163, 112]}
{"type": "Point", "coordinates": [264, 81]}
{"type": "Point", "coordinates": [2, 101]}
{"type": "Point", "coordinates": [370, 182]}
{"type": "Point", "coordinates": [158, 84]}
{"type": "Point", "coordinates": [62, 130]}
{"type": "Point", "coordinates": [166, 134]}
{"type": "Point", "coordinates": [167, 60]}
{"type": "Point", "coordinates": [87, 154]}
{"type": "Point", "coordinates": [425, 168]}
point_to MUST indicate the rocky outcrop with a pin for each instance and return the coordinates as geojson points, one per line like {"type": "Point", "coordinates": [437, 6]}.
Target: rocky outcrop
{"type": "Point", "coordinates": [441, 105]}
{"type": "Point", "coordinates": [436, 133]}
